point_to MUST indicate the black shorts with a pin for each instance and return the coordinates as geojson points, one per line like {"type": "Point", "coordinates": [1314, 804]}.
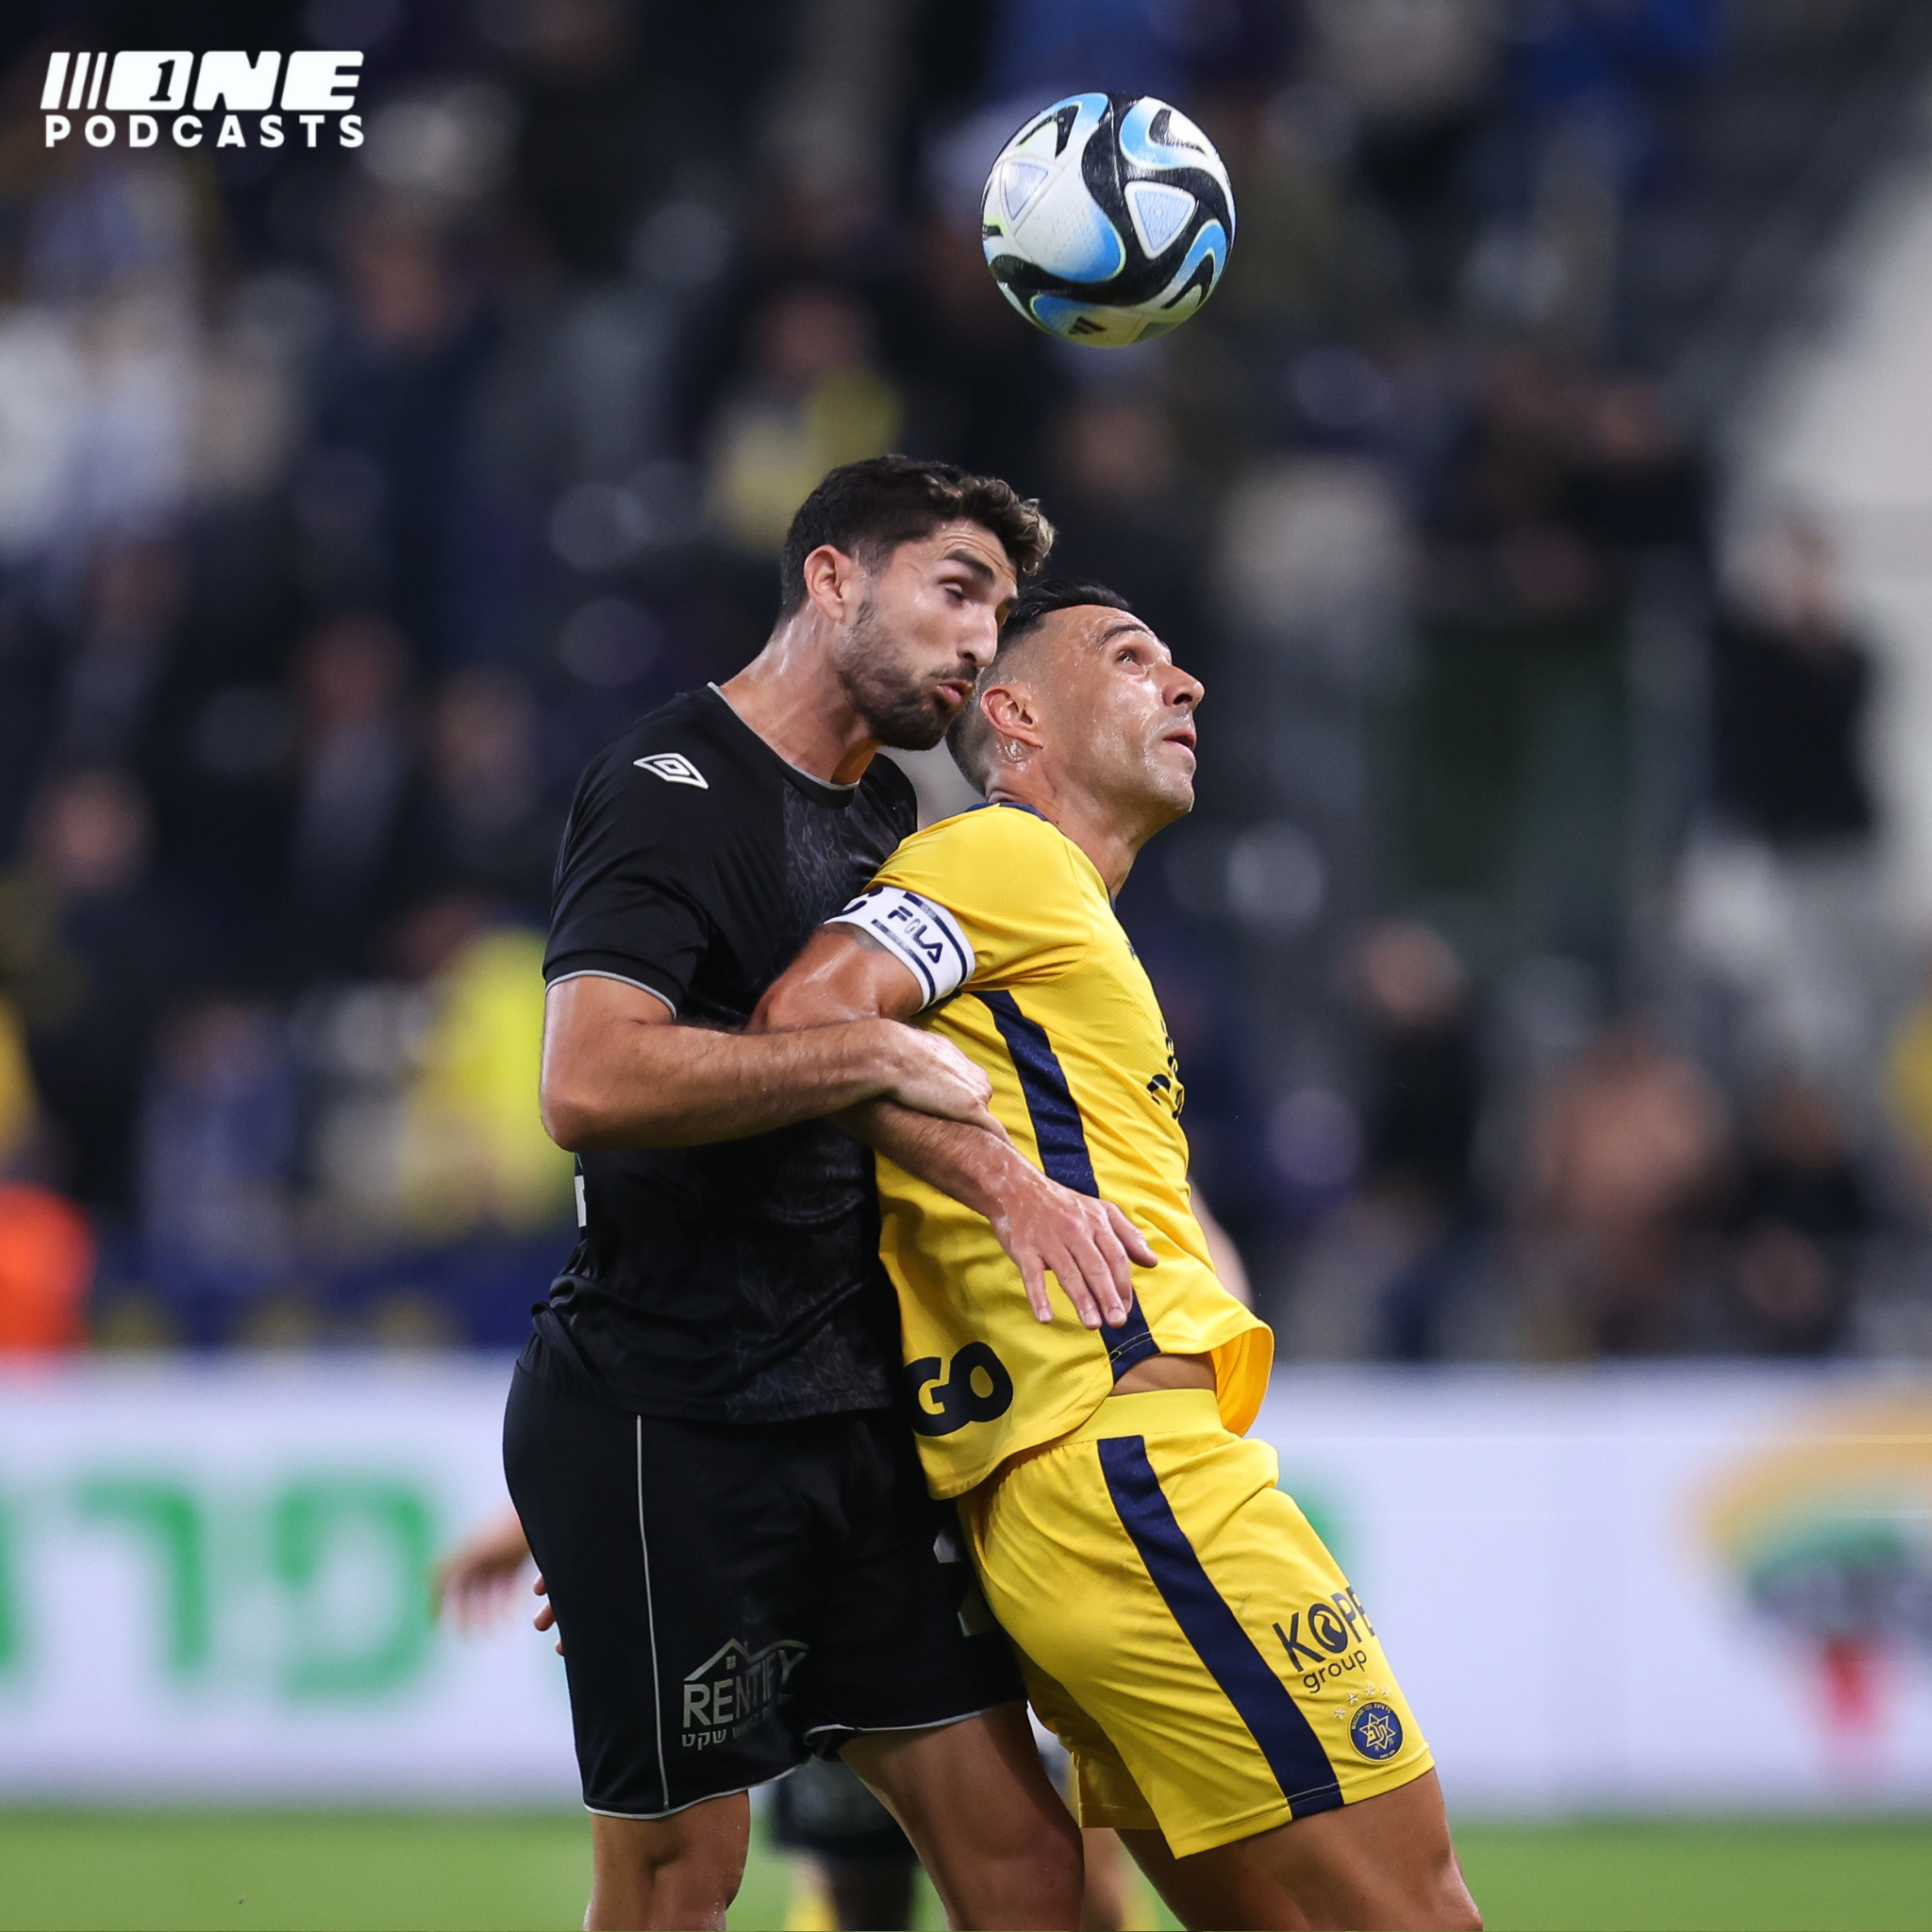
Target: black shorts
{"type": "Point", "coordinates": [733, 1597]}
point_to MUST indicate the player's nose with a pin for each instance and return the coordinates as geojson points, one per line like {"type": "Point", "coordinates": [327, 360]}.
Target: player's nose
{"type": "Point", "coordinates": [1184, 689]}
{"type": "Point", "coordinates": [983, 641]}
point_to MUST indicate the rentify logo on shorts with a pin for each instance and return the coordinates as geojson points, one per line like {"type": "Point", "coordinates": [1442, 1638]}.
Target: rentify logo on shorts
{"type": "Point", "coordinates": [135, 92]}
{"type": "Point", "coordinates": [735, 1690]}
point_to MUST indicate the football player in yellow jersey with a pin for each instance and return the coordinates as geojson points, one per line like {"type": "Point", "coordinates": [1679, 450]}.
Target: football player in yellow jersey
{"type": "Point", "coordinates": [1226, 1701]}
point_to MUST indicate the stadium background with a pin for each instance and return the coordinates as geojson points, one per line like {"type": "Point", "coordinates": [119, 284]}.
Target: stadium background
{"type": "Point", "coordinates": [1543, 499]}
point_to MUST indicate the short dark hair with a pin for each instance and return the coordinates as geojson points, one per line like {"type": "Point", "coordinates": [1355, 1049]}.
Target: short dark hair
{"type": "Point", "coordinates": [868, 509]}
{"type": "Point", "coordinates": [969, 735]}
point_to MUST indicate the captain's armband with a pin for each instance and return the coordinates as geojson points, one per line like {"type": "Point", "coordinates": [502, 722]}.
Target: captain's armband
{"type": "Point", "coordinates": [926, 937]}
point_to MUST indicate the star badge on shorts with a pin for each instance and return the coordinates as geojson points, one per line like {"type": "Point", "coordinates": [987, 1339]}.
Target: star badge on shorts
{"type": "Point", "coordinates": [1375, 1731]}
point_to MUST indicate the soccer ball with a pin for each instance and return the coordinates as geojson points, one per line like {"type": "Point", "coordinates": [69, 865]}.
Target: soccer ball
{"type": "Point", "coordinates": [1106, 219]}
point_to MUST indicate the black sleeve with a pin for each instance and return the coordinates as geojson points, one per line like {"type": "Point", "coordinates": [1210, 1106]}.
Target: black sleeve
{"type": "Point", "coordinates": [631, 886]}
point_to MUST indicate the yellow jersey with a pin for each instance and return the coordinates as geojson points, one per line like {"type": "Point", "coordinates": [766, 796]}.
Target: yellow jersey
{"type": "Point", "coordinates": [1008, 928]}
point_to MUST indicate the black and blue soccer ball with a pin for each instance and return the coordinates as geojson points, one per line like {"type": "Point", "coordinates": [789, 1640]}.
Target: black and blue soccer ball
{"type": "Point", "coordinates": [1107, 218]}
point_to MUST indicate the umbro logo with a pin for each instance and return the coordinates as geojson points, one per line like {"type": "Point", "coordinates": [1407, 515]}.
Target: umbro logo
{"type": "Point", "coordinates": [674, 768]}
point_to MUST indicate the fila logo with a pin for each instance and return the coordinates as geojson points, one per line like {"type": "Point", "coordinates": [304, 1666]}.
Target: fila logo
{"type": "Point", "coordinates": [674, 768]}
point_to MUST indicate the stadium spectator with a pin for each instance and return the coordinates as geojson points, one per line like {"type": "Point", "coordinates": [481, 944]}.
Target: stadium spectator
{"type": "Point", "coordinates": [217, 1150]}
{"type": "Point", "coordinates": [1800, 1221]}
{"type": "Point", "coordinates": [93, 952]}
{"type": "Point", "coordinates": [1779, 892]}
{"type": "Point", "coordinates": [1626, 1157]}
{"type": "Point", "coordinates": [355, 759]}
{"type": "Point", "coordinates": [811, 396]}
{"type": "Point", "coordinates": [1420, 1122]}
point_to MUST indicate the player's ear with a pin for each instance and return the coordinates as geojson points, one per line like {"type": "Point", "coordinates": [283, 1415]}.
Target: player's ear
{"type": "Point", "coordinates": [1009, 708]}
{"type": "Point", "coordinates": [834, 581]}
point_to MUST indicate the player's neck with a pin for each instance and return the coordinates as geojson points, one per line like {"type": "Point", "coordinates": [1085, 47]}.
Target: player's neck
{"type": "Point", "coordinates": [792, 697]}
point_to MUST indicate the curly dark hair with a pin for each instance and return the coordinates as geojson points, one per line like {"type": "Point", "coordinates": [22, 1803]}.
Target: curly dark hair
{"type": "Point", "coordinates": [868, 509]}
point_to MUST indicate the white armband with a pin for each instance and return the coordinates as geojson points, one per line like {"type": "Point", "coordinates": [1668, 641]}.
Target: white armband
{"type": "Point", "coordinates": [926, 937]}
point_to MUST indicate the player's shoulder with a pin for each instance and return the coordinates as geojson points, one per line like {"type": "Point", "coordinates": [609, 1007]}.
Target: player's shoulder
{"type": "Point", "coordinates": [681, 747]}
{"type": "Point", "coordinates": [989, 834]}
{"type": "Point", "coordinates": [998, 862]}
{"type": "Point", "coordinates": [675, 766]}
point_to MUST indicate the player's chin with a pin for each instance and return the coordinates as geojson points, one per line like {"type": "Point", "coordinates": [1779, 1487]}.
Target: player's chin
{"type": "Point", "coordinates": [917, 725]}
{"type": "Point", "coordinates": [1173, 788]}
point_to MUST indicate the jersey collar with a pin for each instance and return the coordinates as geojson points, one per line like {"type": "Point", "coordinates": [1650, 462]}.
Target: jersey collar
{"type": "Point", "coordinates": [825, 789]}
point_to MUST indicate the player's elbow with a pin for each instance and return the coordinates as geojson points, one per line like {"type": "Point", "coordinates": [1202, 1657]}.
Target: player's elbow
{"type": "Point", "coordinates": [570, 1114]}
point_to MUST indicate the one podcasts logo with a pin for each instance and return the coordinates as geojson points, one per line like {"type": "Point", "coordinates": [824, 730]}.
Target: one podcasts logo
{"type": "Point", "coordinates": [228, 98]}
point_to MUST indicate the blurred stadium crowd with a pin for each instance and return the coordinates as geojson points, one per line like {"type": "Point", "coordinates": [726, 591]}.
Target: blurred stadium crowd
{"type": "Point", "coordinates": [1524, 958]}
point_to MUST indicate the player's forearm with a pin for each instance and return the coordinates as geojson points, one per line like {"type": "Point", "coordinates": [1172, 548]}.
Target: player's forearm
{"type": "Point", "coordinates": [976, 1168]}
{"type": "Point", "coordinates": [683, 1087]}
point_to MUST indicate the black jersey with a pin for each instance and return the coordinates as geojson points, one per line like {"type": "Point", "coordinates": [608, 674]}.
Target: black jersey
{"type": "Point", "coordinates": [740, 1281]}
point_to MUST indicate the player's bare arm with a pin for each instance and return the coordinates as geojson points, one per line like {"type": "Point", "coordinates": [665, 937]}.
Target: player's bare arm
{"type": "Point", "coordinates": [1088, 1246]}
{"type": "Point", "coordinates": [619, 1071]}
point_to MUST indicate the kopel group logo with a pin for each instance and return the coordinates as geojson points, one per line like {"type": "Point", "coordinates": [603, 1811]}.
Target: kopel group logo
{"type": "Point", "coordinates": [227, 99]}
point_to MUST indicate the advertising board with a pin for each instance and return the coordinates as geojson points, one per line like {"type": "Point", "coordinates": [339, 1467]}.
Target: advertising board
{"type": "Point", "coordinates": [1646, 1590]}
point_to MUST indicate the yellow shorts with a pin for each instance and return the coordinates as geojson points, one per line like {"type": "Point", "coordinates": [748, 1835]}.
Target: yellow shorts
{"type": "Point", "coordinates": [1183, 1629]}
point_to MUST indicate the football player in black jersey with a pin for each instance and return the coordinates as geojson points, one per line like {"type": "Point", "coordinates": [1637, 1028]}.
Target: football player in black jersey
{"type": "Point", "coordinates": [705, 1440]}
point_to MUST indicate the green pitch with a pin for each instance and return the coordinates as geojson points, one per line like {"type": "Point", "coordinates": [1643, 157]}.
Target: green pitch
{"type": "Point", "coordinates": [127, 1871]}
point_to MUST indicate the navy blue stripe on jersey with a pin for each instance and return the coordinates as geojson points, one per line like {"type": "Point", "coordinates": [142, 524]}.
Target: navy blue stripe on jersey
{"type": "Point", "coordinates": [1288, 1740]}
{"type": "Point", "coordinates": [1057, 1124]}
{"type": "Point", "coordinates": [1132, 1341]}
{"type": "Point", "coordinates": [1062, 1139]}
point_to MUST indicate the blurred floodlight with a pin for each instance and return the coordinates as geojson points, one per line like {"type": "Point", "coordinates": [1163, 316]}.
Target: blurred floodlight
{"type": "Point", "coordinates": [453, 145]}
{"type": "Point", "coordinates": [1275, 878]}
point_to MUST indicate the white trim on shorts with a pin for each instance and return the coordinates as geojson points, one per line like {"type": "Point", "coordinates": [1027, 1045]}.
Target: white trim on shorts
{"type": "Point", "coordinates": [651, 1617]}
{"type": "Point", "coordinates": [937, 1723]}
{"type": "Point", "coordinates": [650, 1817]}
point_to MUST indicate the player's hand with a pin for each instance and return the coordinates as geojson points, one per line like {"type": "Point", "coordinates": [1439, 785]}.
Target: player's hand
{"type": "Point", "coordinates": [931, 1075]}
{"type": "Point", "coordinates": [1088, 1247]}
{"type": "Point", "coordinates": [472, 1584]}
{"type": "Point", "coordinates": [546, 1618]}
